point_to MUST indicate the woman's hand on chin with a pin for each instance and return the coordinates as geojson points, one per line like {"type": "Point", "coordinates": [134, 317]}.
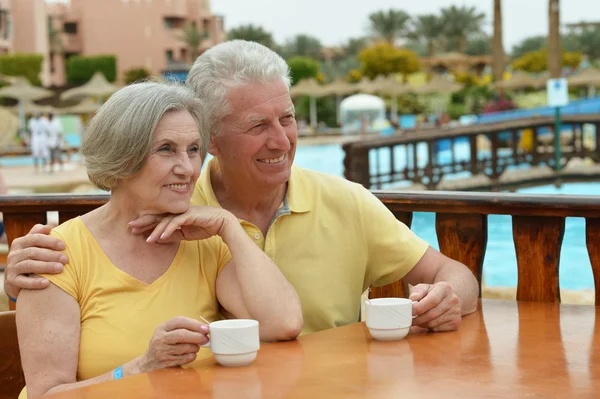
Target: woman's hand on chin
{"type": "Point", "coordinates": [198, 223]}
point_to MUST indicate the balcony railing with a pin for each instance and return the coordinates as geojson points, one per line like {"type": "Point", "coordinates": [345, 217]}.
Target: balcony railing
{"type": "Point", "coordinates": [538, 225]}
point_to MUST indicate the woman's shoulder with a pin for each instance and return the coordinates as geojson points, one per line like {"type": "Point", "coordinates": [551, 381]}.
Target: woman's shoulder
{"type": "Point", "coordinates": [71, 228]}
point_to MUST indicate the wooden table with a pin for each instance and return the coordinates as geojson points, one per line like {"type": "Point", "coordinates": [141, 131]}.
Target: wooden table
{"type": "Point", "coordinates": [505, 350]}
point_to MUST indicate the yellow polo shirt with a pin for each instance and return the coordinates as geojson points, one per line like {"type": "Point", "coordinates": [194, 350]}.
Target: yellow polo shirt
{"type": "Point", "coordinates": [332, 239]}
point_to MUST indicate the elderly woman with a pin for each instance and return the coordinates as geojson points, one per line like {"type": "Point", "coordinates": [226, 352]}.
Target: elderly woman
{"type": "Point", "coordinates": [129, 303]}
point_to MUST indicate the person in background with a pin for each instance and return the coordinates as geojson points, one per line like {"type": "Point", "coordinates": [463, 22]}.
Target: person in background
{"type": "Point", "coordinates": [54, 130]}
{"type": "Point", "coordinates": [40, 150]}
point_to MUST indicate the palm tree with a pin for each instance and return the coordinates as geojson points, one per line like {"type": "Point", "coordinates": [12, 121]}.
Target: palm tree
{"type": "Point", "coordinates": [460, 23]}
{"type": "Point", "coordinates": [554, 48]}
{"type": "Point", "coordinates": [303, 45]}
{"type": "Point", "coordinates": [389, 25]}
{"type": "Point", "coordinates": [428, 27]}
{"type": "Point", "coordinates": [192, 37]}
{"type": "Point", "coordinates": [253, 34]}
{"type": "Point", "coordinates": [497, 47]}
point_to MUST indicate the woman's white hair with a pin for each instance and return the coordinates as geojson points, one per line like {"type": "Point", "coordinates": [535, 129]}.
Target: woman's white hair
{"type": "Point", "coordinates": [230, 65]}
{"type": "Point", "coordinates": [119, 137]}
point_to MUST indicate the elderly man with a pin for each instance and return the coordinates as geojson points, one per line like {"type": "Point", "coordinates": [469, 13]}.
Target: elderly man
{"type": "Point", "coordinates": [331, 238]}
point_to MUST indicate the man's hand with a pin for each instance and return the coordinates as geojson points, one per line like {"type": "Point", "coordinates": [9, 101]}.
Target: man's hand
{"type": "Point", "coordinates": [35, 253]}
{"type": "Point", "coordinates": [437, 307]}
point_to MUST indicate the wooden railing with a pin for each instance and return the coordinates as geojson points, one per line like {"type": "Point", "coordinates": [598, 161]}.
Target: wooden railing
{"type": "Point", "coordinates": [384, 161]}
{"type": "Point", "coordinates": [538, 224]}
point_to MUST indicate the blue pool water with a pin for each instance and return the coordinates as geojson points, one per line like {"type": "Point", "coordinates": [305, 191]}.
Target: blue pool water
{"type": "Point", "coordinates": [500, 266]}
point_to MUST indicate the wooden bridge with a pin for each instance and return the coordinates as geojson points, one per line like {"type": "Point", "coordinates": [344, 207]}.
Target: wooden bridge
{"type": "Point", "coordinates": [418, 157]}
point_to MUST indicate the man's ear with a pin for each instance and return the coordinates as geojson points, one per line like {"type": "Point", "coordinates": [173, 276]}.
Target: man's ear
{"type": "Point", "coordinates": [212, 147]}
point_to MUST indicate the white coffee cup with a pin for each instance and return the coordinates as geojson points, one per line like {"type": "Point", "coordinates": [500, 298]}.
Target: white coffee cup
{"type": "Point", "coordinates": [234, 343]}
{"type": "Point", "coordinates": [389, 319]}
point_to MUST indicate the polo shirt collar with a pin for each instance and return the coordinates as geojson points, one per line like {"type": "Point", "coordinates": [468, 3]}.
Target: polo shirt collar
{"type": "Point", "coordinates": [296, 195]}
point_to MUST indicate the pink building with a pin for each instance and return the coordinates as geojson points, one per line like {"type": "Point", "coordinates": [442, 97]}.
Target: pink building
{"type": "Point", "coordinates": [141, 33]}
{"type": "Point", "coordinates": [24, 29]}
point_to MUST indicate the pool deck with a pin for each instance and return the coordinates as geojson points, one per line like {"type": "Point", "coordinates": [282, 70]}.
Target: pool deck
{"type": "Point", "coordinates": [25, 180]}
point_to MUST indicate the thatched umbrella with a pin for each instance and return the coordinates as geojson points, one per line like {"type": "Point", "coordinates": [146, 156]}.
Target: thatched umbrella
{"type": "Point", "coordinates": [23, 91]}
{"type": "Point", "coordinates": [521, 80]}
{"type": "Point", "coordinates": [439, 85]}
{"type": "Point", "coordinates": [86, 107]}
{"type": "Point", "coordinates": [589, 77]}
{"type": "Point", "coordinates": [311, 88]}
{"type": "Point", "coordinates": [29, 107]}
{"type": "Point", "coordinates": [389, 86]}
{"type": "Point", "coordinates": [97, 86]}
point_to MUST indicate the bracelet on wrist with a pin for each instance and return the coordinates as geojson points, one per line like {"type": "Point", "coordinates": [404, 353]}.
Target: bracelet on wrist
{"type": "Point", "coordinates": [118, 373]}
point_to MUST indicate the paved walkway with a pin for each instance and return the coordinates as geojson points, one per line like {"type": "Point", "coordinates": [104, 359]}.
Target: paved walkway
{"type": "Point", "coordinates": [25, 180]}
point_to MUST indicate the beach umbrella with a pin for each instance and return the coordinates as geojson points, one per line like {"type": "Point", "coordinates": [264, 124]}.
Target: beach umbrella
{"type": "Point", "coordinates": [438, 84]}
{"type": "Point", "coordinates": [29, 107]}
{"type": "Point", "coordinates": [86, 107]}
{"type": "Point", "coordinates": [311, 88]}
{"type": "Point", "coordinates": [589, 77]}
{"type": "Point", "coordinates": [22, 91]}
{"type": "Point", "coordinates": [97, 86]}
{"type": "Point", "coordinates": [521, 80]}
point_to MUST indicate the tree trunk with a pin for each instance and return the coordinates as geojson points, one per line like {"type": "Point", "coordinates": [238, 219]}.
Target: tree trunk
{"type": "Point", "coordinates": [554, 47]}
{"type": "Point", "coordinates": [461, 44]}
{"type": "Point", "coordinates": [430, 48]}
{"type": "Point", "coordinates": [497, 47]}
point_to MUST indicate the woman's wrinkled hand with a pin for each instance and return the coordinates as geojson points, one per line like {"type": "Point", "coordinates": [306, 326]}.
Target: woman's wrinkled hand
{"type": "Point", "coordinates": [198, 223]}
{"type": "Point", "coordinates": [174, 343]}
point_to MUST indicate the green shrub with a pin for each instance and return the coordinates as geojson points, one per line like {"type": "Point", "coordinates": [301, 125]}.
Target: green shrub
{"type": "Point", "coordinates": [26, 65]}
{"type": "Point", "coordinates": [80, 69]}
{"type": "Point", "coordinates": [135, 74]}
{"type": "Point", "coordinates": [303, 68]}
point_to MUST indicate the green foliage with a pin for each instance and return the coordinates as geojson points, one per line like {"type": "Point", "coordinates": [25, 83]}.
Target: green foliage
{"type": "Point", "coordinates": [428, 28]}
{"type": "Point", "coordinates": [26, 65]}
{"type": "Point", "coordinates": [339, 69]}
{"type": "Point", "coordinates": [192, 37]}
{"type": "Point", "coordinates": [135, 74]}
{"type": "Point", "coordinates": [410, 103]}
{"type": "Point", "coordinates": [529, 45]}
{"type": "Point", "coordinates": [355, 45]}
{"type": "Point", "coordinates": [252, 33]}
{"type": "Point", "coordinates": [585, 42]}
{"type": "Point", "coordinates": [456, 110]}
{"type": "Point", "coordinates": [480, 45]}
{"type": "Point", "coordinates": [302, 45]}
{"type": "Point", "coordinates": [472, 98]}
{"type": "Point", "coordinates": [389, 25]}
{"type": "Point", "coordinates": [460, 23]}
{"type": "Point", "coordinates": [537, 61]}
{"type": "Point", "coordinates": [326, 109]}
{"type": "Point", "coordinates": [80, 69]}
{"type": "Point", "coordinates": [383, 59]}
{"type": "Point", "coordinates": [302, 68]}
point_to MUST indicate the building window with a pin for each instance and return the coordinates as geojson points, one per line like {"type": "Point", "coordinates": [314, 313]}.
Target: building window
{"type": "Point", "coordinates": [173, 23]}
{"type": "Point", "coordinates": [70, 27]}
{"type": "Point", "coordinates": [4, 25]}
{"type": "Point", "coordinates": [169, 55]}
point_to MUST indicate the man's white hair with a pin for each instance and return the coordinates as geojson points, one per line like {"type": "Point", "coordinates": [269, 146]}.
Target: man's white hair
{"type": "Point", "coordinates": [230, 65]}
